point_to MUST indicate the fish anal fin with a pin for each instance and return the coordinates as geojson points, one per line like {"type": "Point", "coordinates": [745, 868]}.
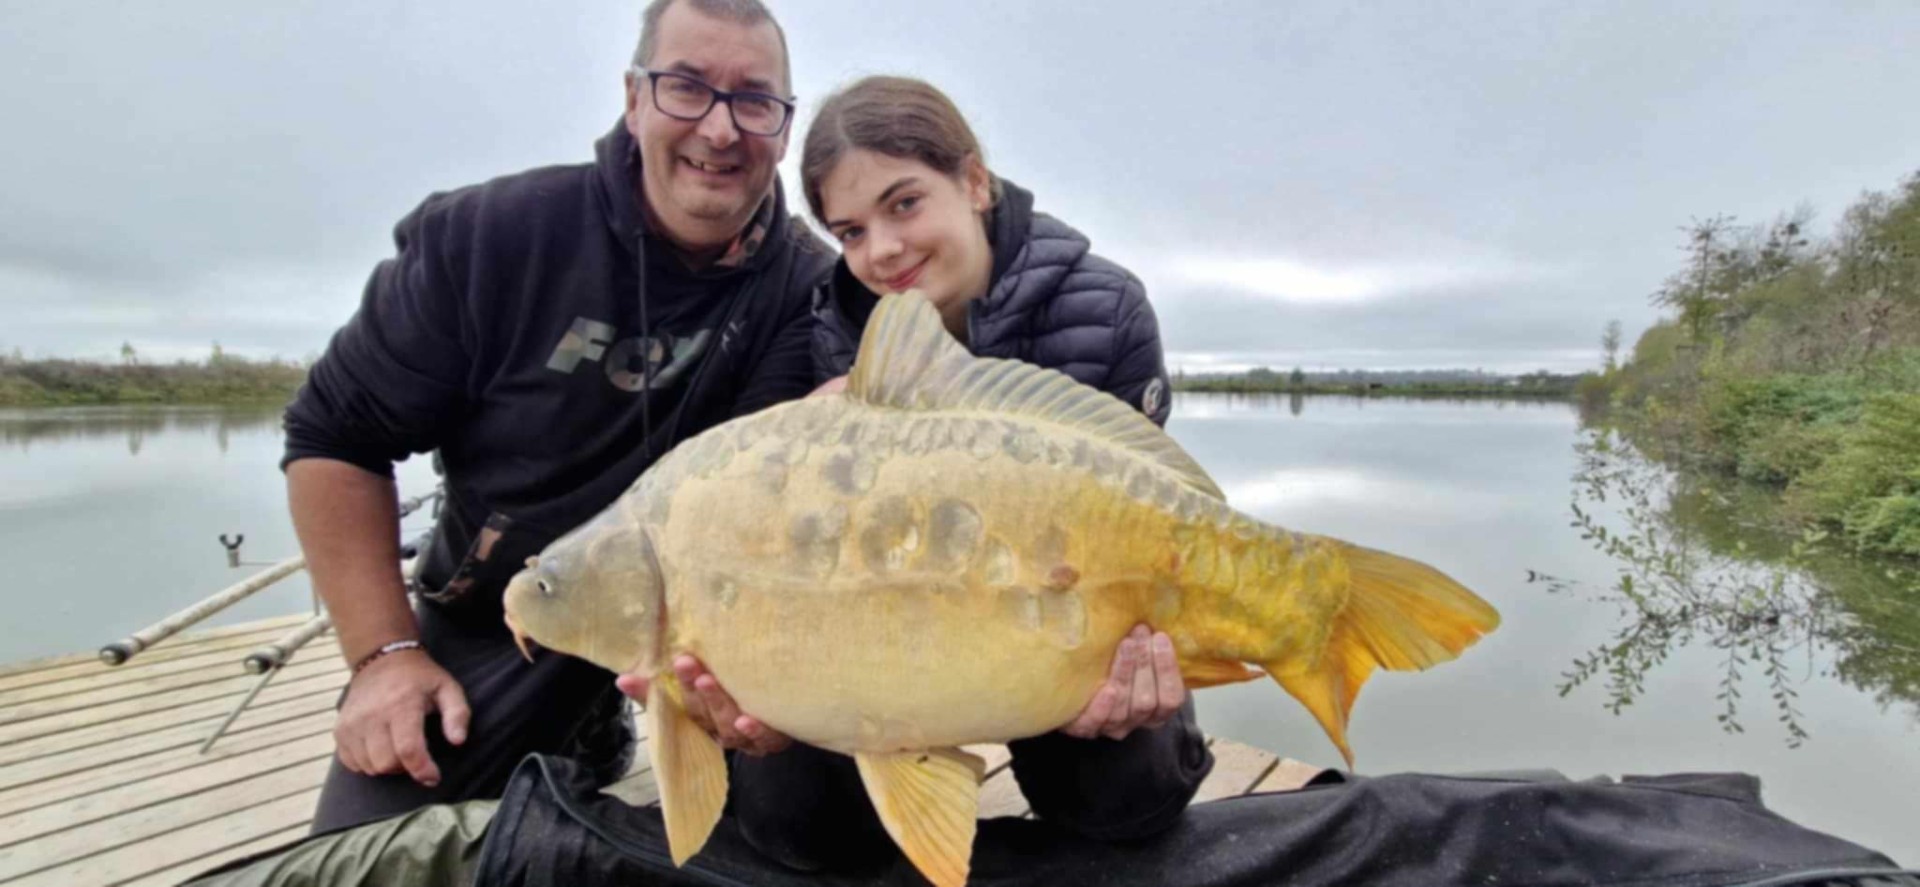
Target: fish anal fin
{"type": "Point", "coordinates": [1400, 615]}
{"type": "Point", "coordinates": [908, 361]}
{"type": "Point", "coordinates": [1329, 688]}
{"type": "Point", "coordinates": [690, 769]}
{"type": "Point", "coordinates": [1202, 673]}
{"type": "Point", "coordinates": [928, 801]}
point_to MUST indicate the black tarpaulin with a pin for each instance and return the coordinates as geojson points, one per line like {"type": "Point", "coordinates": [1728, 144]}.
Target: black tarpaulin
{"type": "Point", "coordinates": [553, 828]}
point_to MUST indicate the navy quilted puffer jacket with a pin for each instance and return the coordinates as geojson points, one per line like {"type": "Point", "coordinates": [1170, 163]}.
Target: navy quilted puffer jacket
{"type": "Point", "coordinates": [1050, 302]}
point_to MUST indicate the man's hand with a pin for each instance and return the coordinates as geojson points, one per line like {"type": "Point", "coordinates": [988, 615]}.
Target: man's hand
{"type": "Point", "coordinates": [382, 725]}
{"type": "Point", "coordinates": [834, 385]}
{"type": "Point", "coordinates": [1144, 689]}
{"type": "Point", "coordinates": [712, 709]}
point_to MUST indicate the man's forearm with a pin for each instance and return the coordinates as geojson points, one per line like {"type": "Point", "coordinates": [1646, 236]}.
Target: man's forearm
{"type": "Point", "coordinates": [346, 517]}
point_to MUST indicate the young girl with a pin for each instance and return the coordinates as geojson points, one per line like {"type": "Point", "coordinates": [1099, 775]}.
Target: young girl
{"type": "Point", "coordinates": [896, 176]}
{"type": "Point", "coordinates": [894, 173]}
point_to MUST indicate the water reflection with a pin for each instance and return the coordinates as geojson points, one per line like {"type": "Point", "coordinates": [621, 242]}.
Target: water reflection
{"type": "Point", "coordinates": [1704, 561]}
{"type": "Point", "coordinates": [23, 429]}
{"type": "Point", "coordinates": [1356, 485]}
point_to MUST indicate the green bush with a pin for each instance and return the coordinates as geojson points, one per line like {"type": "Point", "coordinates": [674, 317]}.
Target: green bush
{"type": "Point", "coordinates": [70, 382]}
{"type": "Point", "coordinates": [1774, 429]}
{"type": "Point", "coordinates": [1796, 364]}
{"type": "Point", "coordinates": [1868, 486]}
{"type": "Point", "coordinates": [1889, 523]}
{"type": "Point", "coordinates": [17, 390]}
{"type": "Point", "coordinates": [1788, 450]}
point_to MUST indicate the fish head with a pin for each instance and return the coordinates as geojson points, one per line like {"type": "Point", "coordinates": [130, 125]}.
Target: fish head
{"type": "Point", "coordinates": [596, 593]}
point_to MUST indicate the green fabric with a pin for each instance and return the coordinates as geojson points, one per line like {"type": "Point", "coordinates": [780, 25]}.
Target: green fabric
{"type": "Point", "coordinates": [437, 846]}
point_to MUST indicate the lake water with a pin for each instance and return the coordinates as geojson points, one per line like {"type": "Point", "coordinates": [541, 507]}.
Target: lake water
{"type": "Point", "coordinates": [109, 518]}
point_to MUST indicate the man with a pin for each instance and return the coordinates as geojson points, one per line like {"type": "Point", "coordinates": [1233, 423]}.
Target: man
{"type": "Point", "coordinates": [550, 333]}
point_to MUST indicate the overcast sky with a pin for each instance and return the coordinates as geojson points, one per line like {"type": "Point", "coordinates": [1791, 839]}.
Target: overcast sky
{"type": "Point", "coordinates": [1403, 185]}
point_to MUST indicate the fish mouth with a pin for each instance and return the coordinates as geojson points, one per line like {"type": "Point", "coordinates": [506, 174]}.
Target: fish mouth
{"type": "Point", "coordinates": [520, 638]}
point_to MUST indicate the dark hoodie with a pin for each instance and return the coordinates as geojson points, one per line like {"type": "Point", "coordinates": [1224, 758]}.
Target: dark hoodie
{"type": "Point", "coordinates": [1050, 301]}
{"type": "Point", "coordinates": [514, 332]}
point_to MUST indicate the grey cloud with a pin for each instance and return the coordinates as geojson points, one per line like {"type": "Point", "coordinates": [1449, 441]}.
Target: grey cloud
{"type": "Point", "coordinates": [1518, 329]}
{"type": "Point", "coordinates": [226, 169]}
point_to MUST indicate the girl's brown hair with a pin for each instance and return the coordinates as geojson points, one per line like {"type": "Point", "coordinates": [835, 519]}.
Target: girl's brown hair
{"type": "Point", "coordinates": [896, 116]}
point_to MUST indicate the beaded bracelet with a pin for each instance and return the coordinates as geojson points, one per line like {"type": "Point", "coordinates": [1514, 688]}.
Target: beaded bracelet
{"type": "Point", "coordinates": [389, 647]}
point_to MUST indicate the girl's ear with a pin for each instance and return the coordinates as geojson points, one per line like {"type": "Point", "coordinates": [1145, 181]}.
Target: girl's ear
{"type": "Point", "coordinates": [979, 183]}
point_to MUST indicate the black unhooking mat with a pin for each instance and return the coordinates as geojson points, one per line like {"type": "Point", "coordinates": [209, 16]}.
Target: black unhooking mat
{"type": "Point", "coordinates": [553, 829]}
{"type": "Point", "coordinates": [1419, 831]}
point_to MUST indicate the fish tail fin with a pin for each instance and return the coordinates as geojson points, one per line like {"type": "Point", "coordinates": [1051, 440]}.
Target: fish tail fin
{"type": "Point", "coordinates": [1400, 615]}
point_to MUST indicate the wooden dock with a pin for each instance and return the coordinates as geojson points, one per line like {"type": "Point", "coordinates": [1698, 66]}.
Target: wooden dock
{"type": "Point", "coordinates": [102, 782]}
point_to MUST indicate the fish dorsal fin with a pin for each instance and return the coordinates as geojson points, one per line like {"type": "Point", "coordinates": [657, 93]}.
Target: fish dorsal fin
{"type": "Point", "coordinates": [908, 361]}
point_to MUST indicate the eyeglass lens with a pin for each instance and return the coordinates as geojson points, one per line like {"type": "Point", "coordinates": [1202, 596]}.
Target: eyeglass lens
{"type": "Point", "coordinates": [689, 99]}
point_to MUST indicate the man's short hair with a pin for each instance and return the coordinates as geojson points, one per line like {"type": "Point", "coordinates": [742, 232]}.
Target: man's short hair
{"type": "Point", "coordinates": [741, 12]}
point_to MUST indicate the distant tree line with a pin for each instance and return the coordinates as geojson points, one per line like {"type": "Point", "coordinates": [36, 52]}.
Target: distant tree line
{"type": "Point", "coordinates": [1452, 383]}
{"type": "Point", "coordinates": [1791, 361]}
{"type": "Point", "coordinates": [221, 378]}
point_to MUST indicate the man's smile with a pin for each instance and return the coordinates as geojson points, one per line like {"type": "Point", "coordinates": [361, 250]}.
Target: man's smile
{"type": "Point", "coordinates": [711, 168]}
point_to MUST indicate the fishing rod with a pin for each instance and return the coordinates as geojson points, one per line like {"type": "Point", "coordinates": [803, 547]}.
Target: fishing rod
{"type": "Point", "coordinates": [126, 648]}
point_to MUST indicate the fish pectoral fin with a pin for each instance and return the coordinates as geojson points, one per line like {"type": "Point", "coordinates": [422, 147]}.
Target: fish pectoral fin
{"type": "Point", "coordinates": [1202, 673]}
{"type": "Point", "coordinates": [928, 801]}
{"type": "Point", "coordinates": [689, 768]}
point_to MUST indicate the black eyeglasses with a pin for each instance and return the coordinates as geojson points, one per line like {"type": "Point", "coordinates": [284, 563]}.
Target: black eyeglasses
{"type": "Point", "coordinates": [686, 98]}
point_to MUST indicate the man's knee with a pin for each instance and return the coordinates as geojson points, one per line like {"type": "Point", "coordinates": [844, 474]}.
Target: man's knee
{"type": "Point", "coordinates": [1111, 790]}
{"type": "Point", "coordinates": [349, 799]}
{"type": "Point", "coordinates": [807, 809]}
{"type": "Point", "coordinates": [1109, 817]}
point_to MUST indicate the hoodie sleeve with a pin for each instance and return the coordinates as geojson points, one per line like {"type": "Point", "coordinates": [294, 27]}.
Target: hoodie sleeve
{"type": "Point", "coordinates": [833, 348]}
{"type": "Point", "coordinates": [785, 371]}
{"type": "Point", "coordinates": [1139, 374]}
{"type": "Point", "coordinates": [394, 378]}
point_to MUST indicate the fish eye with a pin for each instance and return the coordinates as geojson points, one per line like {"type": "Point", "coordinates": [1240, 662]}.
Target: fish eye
{"type": "Point", "coordinates": [544, 588]}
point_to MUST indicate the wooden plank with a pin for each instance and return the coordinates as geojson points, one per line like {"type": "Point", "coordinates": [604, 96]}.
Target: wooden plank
{"type": "Point", "coordinates": [1236, 769]}
{"type": "Point", "coordinates": [221, 662]}
{"type": "Point", "coordinates": [75, 784]}
{"type": "Point", "coordinates": [161, 705]}
{"type": "Point", "coordinates": [220, 653]}
{"type": "Point", "coordinates": [1288, 775]}
{"type": "Point", "coordinates": [93, 807]}
{"type": "Point", "coordinates": [173, 875]}
{"type": "Point", "coordinates": [187, 735]}
{"type": "Point", "coordinates": [326, 686]}
{"type": "Point", "coordinates": [996, 756]}
{"type": "Point", "coordinates": [241, 825]}
{"type": "Point", "coordinates": [1000, 796]}
{"type": "Point", "coordinates": [117, 700]}
{"type": "Point", "coordinates": [158, 820]}
{"type": "Point", "coordinates": [35, 671]}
